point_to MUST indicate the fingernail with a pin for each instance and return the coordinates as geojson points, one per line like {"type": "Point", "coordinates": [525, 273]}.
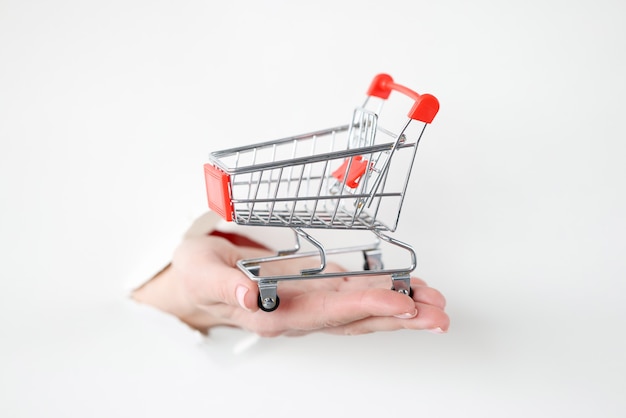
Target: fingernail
{"type": "Point", "coordinates": [437, 330]}
{"type": "Point", "coordinates": [407, 315]}
{"type": "Point", "coordinates": [240, 292]}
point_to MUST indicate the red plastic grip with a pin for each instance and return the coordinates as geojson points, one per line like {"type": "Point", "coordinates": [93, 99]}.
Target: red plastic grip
{"type": "Point", "coordinates": [358, 166]}
{"type": "Point", "coordinates": [218, 191]}
{"type": "Point", "coordinates": [426, 105]}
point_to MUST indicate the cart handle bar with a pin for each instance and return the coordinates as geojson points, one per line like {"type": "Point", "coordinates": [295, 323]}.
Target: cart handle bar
{"type": "Point", "coordinates": [426, 105]}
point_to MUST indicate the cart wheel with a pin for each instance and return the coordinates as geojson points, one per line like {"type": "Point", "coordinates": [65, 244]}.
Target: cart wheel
{"type": "Point", "coordinates": [268, 305]}
{"type": "Point", "coordinates": [401, 283]}
{"type": "Point", "coordinates": [410, 294]}
{"type": "Point", "coordinates": [372, 260]}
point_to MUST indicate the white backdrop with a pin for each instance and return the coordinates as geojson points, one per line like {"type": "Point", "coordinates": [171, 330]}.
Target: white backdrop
{"type": "Point", "coordinates": [516, 209]}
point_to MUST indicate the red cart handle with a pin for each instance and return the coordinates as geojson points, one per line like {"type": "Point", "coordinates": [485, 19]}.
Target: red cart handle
{"type": "Point", "coordinates": [426, 105]}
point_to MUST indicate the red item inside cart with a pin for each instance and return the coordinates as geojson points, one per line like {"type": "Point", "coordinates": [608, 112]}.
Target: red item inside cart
{"type": "Point", "coordinates": [351, 170]}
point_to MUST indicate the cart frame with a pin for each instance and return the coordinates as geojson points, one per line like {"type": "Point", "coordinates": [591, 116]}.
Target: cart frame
{"type": "Point", "coordinates": [337, 178]}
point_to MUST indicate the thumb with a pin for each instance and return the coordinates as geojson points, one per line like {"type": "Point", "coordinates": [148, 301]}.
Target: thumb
{"type": "Point", "coordinates": [247, 298]}
{"type": "Point", "coordinates": [223, 284]}
{"type": "Point", "coordinates": [223, 281]}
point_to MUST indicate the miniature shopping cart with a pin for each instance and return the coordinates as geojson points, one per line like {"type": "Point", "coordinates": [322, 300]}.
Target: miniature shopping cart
{"type": "Point", "coordinates": [351, 177]}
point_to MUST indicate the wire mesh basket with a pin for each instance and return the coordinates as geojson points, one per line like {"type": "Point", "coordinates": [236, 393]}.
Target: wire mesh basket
{"type": "Point", "coordinates": [352, 177]}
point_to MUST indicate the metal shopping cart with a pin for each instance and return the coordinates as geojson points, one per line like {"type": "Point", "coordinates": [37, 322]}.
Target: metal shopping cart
{"type": "Point", "coordinates": [350, 177]}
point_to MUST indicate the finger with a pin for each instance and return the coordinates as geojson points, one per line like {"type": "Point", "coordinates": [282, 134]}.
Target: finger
{"type": "Point", "coordinates": [421, 291]}
{"type": "Point", "coordinates": [382, 281]}
{"type": "Point", "coordinates": [428, 318]}
{"type": "Point", "coordinates": [224, 285]}
{"type": "Point", "coordinates": [416, 281]}
{"type": "Point", "coordinates": [428, 295]}
{"type": "Point", "coordinates": [207, 267]}
{"type": "Point", "coordinates": [319, 310]}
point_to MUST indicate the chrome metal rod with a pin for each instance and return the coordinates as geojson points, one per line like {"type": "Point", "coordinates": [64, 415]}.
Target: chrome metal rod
{"type": "Point", "coordinates": [320, 248]}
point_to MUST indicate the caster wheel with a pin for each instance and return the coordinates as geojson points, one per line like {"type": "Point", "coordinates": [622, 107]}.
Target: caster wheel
{"type": "Point", "coordinates": [410, 294]}
{"type": "Point", "coordinates": [372, 260]}
{"type": "Point", "coordinates": [269, 305]}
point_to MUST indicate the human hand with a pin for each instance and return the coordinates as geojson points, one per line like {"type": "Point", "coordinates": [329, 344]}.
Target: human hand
{"type": "Point", "coordinates": [204, 288]}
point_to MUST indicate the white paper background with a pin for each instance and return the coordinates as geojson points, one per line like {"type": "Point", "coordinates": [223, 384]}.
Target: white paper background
{"type": "Point", "coordinates": [516, 209]}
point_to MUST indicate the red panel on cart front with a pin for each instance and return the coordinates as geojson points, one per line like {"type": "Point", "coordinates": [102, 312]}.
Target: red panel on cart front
{"type": "Point", "coordinates": [218, 191]}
